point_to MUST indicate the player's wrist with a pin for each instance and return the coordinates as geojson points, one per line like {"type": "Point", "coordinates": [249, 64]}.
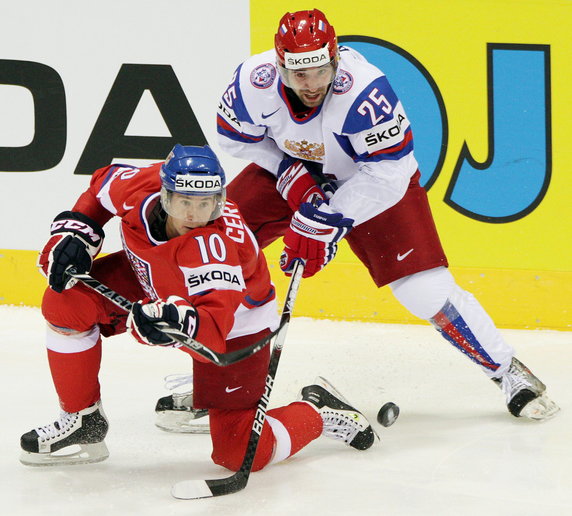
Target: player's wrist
{"type": "Point", "coordinates": [296, 185]}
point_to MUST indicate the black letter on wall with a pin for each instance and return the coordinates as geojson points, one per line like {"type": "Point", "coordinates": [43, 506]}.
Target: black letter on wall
{"type": "Point", "coordinates": [47, 147]}
{"type": "Point", "coordinates": [108, 140]}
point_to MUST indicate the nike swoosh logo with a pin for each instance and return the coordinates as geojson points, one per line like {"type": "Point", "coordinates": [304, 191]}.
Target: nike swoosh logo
{"type": "Point", "coordinates": [269, 115]}
{"type": "Point", "coordinates": [228, 389]}
{"type": "Point", "coordinates": [403, 256]}
{"type": "Point", "coordinates": [125, 207]}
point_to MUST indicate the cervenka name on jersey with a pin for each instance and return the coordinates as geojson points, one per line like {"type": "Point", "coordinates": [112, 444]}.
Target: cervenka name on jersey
{"type": "Point", "coordinates": [213, 276]}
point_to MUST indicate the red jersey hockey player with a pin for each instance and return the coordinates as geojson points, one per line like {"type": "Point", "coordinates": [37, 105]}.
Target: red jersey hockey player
{"type": "Point", "coordinates": [310, 114]}
{"type": "Point", "coordinates": [193, 264]}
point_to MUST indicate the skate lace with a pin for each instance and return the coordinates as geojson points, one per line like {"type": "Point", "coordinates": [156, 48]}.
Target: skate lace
{"type": "Point", "coordinates": [514, 381]}
{"type": "Point", "coordinates": [340, 426]}
{"type": "Point", "coordinates": [175, 381]}
{"type": "Point", "coordinates": [51, 431]}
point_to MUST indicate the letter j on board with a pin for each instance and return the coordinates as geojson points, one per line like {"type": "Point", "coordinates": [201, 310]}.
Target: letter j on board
{"type": "Point", "coordinates": [514, 178]}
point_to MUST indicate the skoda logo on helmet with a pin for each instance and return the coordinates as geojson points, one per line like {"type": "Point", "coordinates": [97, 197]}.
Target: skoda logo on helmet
{"type": "Point", "coordinates": [293, 62]}
{"type": "Point", "coordinates": [306, 59]}
{"type": "Point", "coordinates": [194, 184]}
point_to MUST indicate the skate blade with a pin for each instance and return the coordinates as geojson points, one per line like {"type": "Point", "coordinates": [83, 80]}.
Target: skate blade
{"type": "Point", "coordinates": [540, 409]}
{"type": "Point", "coordinates": [70, 455]}
{"type": "Point", "coordinates": [182, 423]}
{"type": "Point", "coordinates": [320, 380]}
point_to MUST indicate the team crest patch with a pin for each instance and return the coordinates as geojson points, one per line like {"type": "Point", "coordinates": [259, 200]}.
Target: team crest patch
{"type": "Point", "coordinates": [263, 75]}
{"type": "Point", "coordinates": [343, 82]}
{"type": "Point", "coordinates": [306, 150]}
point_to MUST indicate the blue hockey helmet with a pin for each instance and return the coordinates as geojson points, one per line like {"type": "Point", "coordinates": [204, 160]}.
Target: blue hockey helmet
{"type": "Point", "coordinates": [192, 171]}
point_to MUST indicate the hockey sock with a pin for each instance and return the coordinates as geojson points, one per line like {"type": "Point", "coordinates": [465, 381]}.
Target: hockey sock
{"type": "Point", "coordinates": [456, 314]}
{"type": "Point", "coordinates": [465, 324]}
{"type": "Point", "coordinates": [74, 363]}
{"type": "Point", "coordinates": [294, 427]}
{"type": "Point", "coordinates": [286, 431]}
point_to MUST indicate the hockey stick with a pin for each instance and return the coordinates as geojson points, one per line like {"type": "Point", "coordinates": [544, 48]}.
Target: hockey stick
{"type": "Point", "coordinates": [192, 489]}
{"type": "Point", "coordinates": [220, 359]}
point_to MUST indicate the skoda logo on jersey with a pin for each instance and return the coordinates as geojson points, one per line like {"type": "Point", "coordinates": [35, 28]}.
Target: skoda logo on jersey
{"type": "Point", "coordinates": [306, 59]}
{"type": "Point", "coordinates": [220, 276]}
{"type": "Point", "coordinates": [386, 132]}
{"type": "Point", "coordinates": [214, 276]}
{"type": "Point", "coordinates": [207, 185]}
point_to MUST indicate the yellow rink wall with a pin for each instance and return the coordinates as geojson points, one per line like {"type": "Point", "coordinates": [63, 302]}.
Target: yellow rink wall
{"type": "Point", "coordinates": [344, 291]}
{"type": "Point", "coordinates": [520, 269]}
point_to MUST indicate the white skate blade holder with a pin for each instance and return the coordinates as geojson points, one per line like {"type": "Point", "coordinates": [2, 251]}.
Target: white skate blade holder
{"type": "Point", "coordinates": [540, 409]}
{"type": "Point", "coordinates": [70, 455]}
{"type": "Point", "coordinates": [182, 422]}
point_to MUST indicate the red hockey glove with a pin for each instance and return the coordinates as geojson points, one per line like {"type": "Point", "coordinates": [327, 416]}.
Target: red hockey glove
{"type": "Point", "coordinates": [147, 320]}
{"type": "Point", "coordinates": [313, 236]}
{"type": "Point", "coordinates": [296, 185]}
{"type": "Point", "coordinates": [76, 240]}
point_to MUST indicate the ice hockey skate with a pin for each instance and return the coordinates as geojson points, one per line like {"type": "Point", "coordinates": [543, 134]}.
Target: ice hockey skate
{"type": "Point", "coordinates": [175, 413]}
{"type": "Point", "coordinates": [75, 438]}
{"type": "Point", "coordinates": [525, 394]}
{"type": "Point", "coordinates": [341, 420]}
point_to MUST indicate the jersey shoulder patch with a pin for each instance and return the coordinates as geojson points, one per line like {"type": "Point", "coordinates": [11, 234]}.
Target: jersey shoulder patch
{"type": "Point", "coordinates": [263, 76]}
{"type": "Point", "coordinates": [343, 82]}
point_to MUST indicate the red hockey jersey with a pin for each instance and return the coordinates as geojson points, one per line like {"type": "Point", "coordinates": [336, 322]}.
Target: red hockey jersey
{"type": "Point", "coordinates": [219, 268]}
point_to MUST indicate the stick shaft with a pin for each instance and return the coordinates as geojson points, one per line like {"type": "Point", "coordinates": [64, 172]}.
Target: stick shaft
{"type": "Point", "coordinates": [221, 359]}
{"type": "Point", "coordinates": [193, 489]}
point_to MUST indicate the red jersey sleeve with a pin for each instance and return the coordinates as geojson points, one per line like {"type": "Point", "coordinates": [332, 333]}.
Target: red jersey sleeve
{"type": "Point", "coordinates": [114, 189]}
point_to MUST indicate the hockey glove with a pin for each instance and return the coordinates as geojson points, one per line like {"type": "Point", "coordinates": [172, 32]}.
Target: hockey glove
{"type": "Point", "coordinates": [296, 185]}
{"type": "Point", "coordinates": [76, 240]}
{"type": "Point", "coordinates": [313, 236]}
{"type": "Point", "coordinates": [147, 320]}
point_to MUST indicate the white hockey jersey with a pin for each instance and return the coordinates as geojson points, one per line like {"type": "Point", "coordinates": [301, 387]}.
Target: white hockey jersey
{"type": "Point", "coordinates": [360, 134]}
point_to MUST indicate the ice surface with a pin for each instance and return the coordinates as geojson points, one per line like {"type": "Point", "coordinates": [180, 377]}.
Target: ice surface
{"type": "Point", "coordinates": [454, 449]}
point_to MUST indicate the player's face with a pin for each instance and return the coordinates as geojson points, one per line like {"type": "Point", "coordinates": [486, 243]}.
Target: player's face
{"type": "Point", "coordinates": [311, 84]}
{"type": "Point", "coordinates": [189, 212]}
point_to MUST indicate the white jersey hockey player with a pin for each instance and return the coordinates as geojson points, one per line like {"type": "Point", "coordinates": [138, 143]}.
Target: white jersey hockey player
{"type": "Point", "coordinates": [332, 157]}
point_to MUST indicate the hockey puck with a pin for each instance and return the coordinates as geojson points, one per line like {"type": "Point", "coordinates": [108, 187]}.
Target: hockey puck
{"type": "Point", "coordinates": [388, 414]}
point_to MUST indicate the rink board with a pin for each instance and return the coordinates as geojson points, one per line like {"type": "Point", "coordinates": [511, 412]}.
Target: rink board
{"type": "Point", "coordinates": [344, 291]}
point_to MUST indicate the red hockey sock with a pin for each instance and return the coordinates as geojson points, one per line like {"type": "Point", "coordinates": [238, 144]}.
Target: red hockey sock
{"type": "Point", "coordinates": [298, 425]}
{"type": "Point", "coordinates": [75, 377]}
{"type": "Point", "coordinates": [302, 422]}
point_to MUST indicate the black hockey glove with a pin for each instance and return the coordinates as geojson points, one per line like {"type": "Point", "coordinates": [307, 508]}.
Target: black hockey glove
{"type": "Point", "coordinates": [76, 240]}
{"type": "Point", "coordinates": [147, 320]}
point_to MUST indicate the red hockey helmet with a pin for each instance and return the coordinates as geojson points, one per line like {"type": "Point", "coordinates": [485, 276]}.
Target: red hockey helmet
{"type": "Point", "coordinates": [309, 34]}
